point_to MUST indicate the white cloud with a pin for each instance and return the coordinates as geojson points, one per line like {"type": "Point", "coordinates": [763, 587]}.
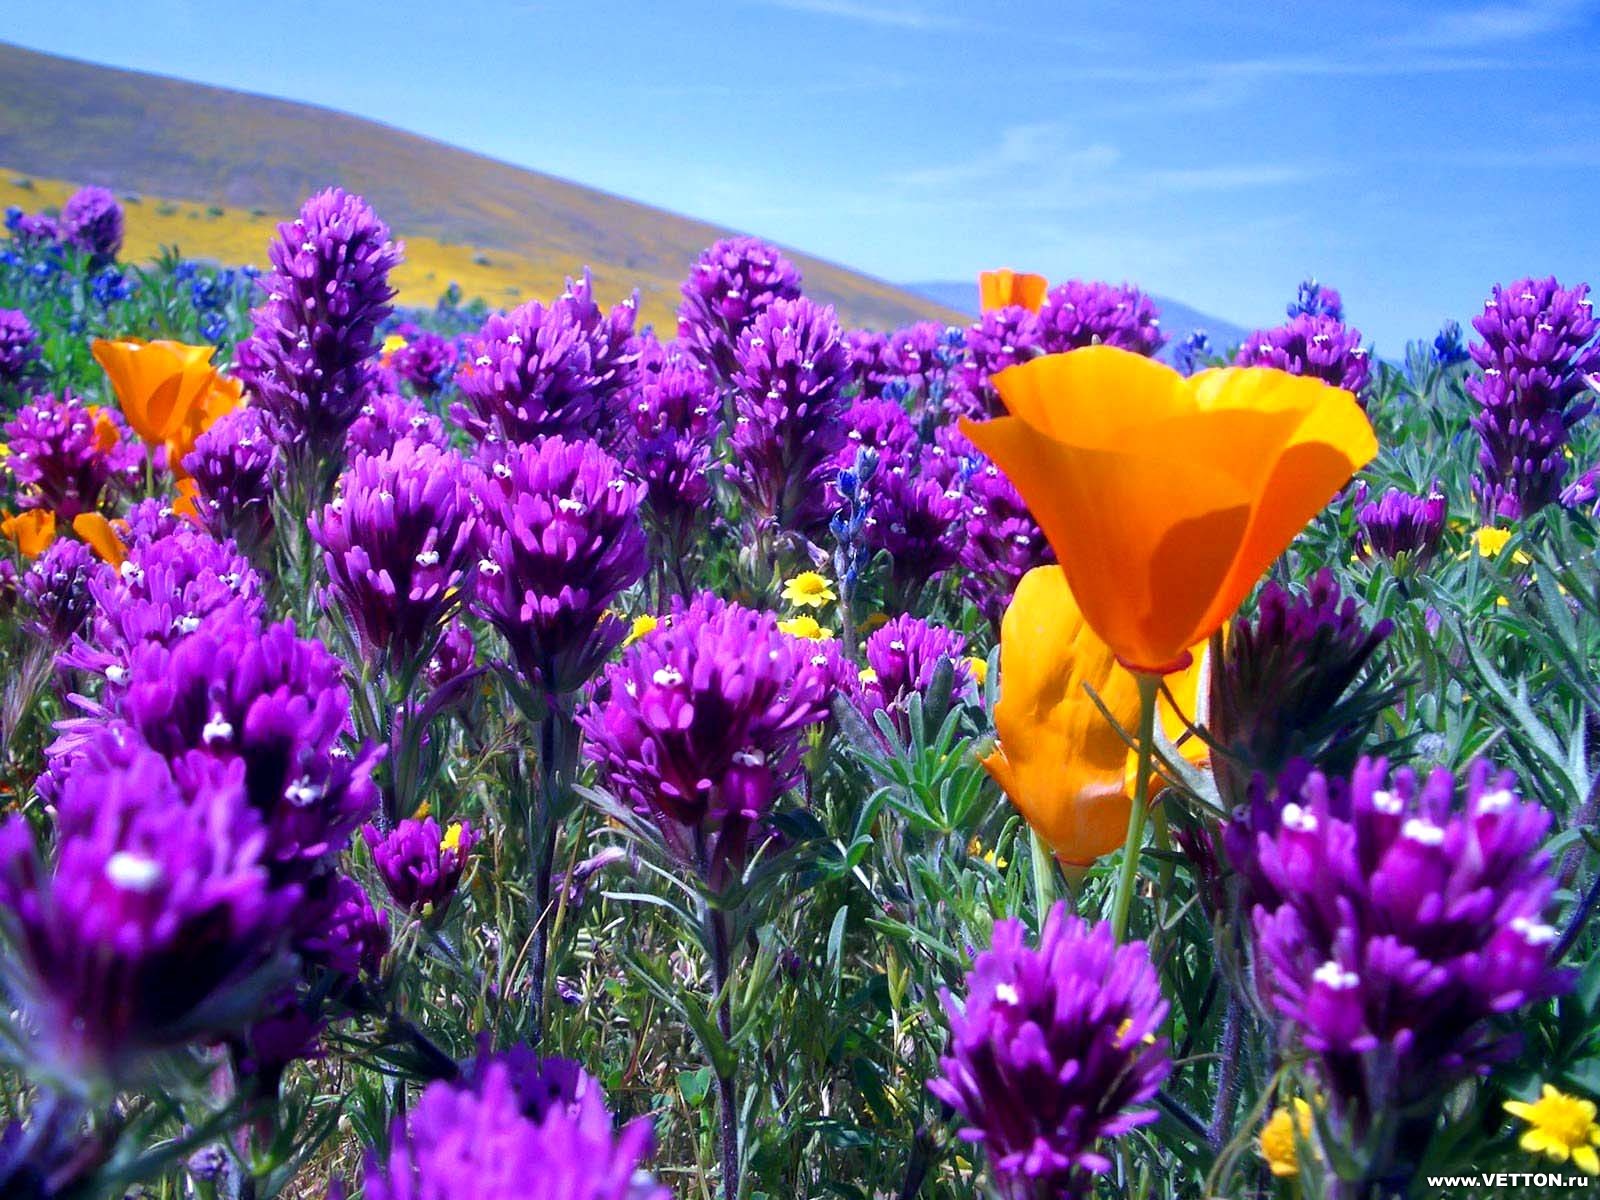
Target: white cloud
{"type": "Point", "coordinates": [1496, 24]}
{"type": "Point", "coordinates": [875, 12]}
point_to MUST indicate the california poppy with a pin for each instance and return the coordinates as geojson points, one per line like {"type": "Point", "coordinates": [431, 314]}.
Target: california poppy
{"type": "Point", "coordinates": [169, 392]}
{"type": "Point", "coordinates": [1166, 498]}
{"type": "Point", "coordinates": [31, 530]}
{"type": "Point", "coordinates": [1005, 288]}
{"type": "Point", "coordinates": [102, 537]}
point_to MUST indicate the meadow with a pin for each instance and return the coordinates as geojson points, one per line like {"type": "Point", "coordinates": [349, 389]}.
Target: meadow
{"type": "Point", "coordinates": [582, 752]}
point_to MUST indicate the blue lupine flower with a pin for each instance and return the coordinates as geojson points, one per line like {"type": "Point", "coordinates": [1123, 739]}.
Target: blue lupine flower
{"type": "Point", "coordinates": [1189, 352]}
{"type": "Point", "coordinates": [1448, 348]}
{"type": "Point", "coordinates": [110, 286]}
{"type": "Point", "coordinates": [1316, 300]}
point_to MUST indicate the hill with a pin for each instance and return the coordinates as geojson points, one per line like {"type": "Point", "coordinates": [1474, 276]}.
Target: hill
{"type": "Point", "coordinates": [1178, 320]}
{"type": "Point", "coordinates": [215, 169]}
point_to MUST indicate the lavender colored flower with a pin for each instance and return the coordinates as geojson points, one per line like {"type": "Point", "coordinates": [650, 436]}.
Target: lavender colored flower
{"type": "Point", "coordinates": [455, 654]}
{"type": "Point", "coordinates": [388, 417]}
{"type": "Point", "coordinates": [561, 371]}
{"type": "Point", "coordinates": [236, 467]}
{"type": "Point", "coordinates": [352, 935]}
{"type": "Point", "coordinates": [1001, 338]}
{"type": "Point", "coordinates": [1315, 299]}
{"type": "Point", "coordinates": [701, 727]}
{"type": "Point", "coordinates": [1583, 492]}
{"type": "Point", "coordinates": [425, 362]}
{"type": "Point", "coordinates": [55, 589]}
{"type": "Point", "coordinates": [91, 220]}
{"type": "Point", "coordinates": [34, 231]}
{"type": "Point", "coordinates": [1401, 921]}
{"type": "Point", "coordinates": [868, 351]}
{"type": "Point", "coordinates": [1294, 683]}
{"type": "Point", "coordinates": [420, 863]}
{"type": "Point", "coordinates": [152, 924]}
{"type": "Point", "coordinates": [558, 538]}
{"type": "Point", "coordinates": [1000, 540]}
{"type": "Point", "coordinates": [731, 284]}
{"type": "Point", "coordinates": [904, 658]}
{"type": "Point", "coordinates": [1538, 347]}
{"type": "Point", "coordinates": [396, 542]}
{"type": "Point", "coordinates": [675, 414]}
{"type": "Point", "coordinates": [310, 361]}
{"type": "Point", "coordinates": [1052, 1049]}
{"type": "Point", "coordinates": [1189, 355]}
{"type": "Point", "coordinates": [475, 1141]}
{"type": "Point", "coordinates": [1398, 523]}
{"type": "Point", "coordinates": [1448, 348]}
{"type": "Point", "coordinates": [1318, 346]}
{"type": "Point", "coordinates": [921, 356]}
{"type": "Point", "coordinates": [1078, 314]}
{"type": "Point", "coordinates": [914, 517]}
{"type": "Point", "coordinates": [788, 408]}
{"type": "Point", "coordinates": [65, 455]}
{"type": "Point", "coordinates": [19, 347]}
{"type": "Point", "coordinates": [151, 520]}
{"type": "Point", "coordinates": [881, 425]}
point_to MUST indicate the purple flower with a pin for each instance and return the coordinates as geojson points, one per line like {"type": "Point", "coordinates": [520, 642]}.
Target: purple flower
{"type": "Point", "coordinates": [1538, 347]}
{"type": "Point", "coordinates": [903, 659]}
{"type": "Point", "coordinates": [920, 356]}
{"type": "Point", "coordinates": [1078, 314]}
{"type": "Point", "coordinates": [311, 360]}
{"type": "Point", "coordinates": [560, 371]}
{"type": "Point", "coordinates": [475, 1141]}
{"type": "Point", "coordinates": [91, 220]}
{"type": "Point", "coordinates": [386, 418]}
{"type": "Point", "coordinates": [1315, 299]}
{"type": "Point", "coordinates": [33, 231]}
{"type": "Point", "coordinates": [1294, 683]}
{"type": "Point", "coordinates": [700, 728]}
{"type": "Point", "coordinates": [730, 285]}
{"type": "Point", "coordinates": [19, 347]}
{"type": "Point", "coordinates": [65, 455]}
{"type": "Point", "coordinates": [913, 519]}
{"type": "Point", "coordinates": [55, 589]}
{"type": "Point", "coordinates": [675, 414]}
{"type": "Point", "coordinates": [236, 468]}
{"type": "Point", "coordinates": [420, 863]}
{"type": "Point", "coordinates": [1398, 523]}
{"type": "Point", "coordinates": [352, 936]}
{"type": "Point", "coordinates": [455, 654]}
{"type": "Point", "coordinates": [1001, 338]}
{"type": "Point", "coordinates": [558, 538]}
{"type": "Point", "coordinates": [1399, 923]}
{"type": "Point", "coordinates": [788, 410]}
{"type": "Point", "coordinates": [1448, 348]}
{"type": "Point", "coordinates": [881, 425]}
{"type": "Point", "coordinates": [1321, 347]}
{"type": "Point", "coordinates": [153, 923]}
{"type": "Point", "coordinates": [397, 545]}
{"type": "Point", "coordinates": [868, 361]}
{"type": "Point", "coordinates": [425, 362]}
{"type": "Point", "coordinates": [1052, 1048]}
{"type": "Point", "coordinates": [1000, 540]}
{"type": "Point", "coordinates": [1584, 491]}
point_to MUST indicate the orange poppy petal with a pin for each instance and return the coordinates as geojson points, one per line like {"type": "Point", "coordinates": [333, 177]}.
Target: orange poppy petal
{"type": "Point", "coordinates": [31, 531]}
{"type": "Point", "coordinates": [101, 537]}
{"type": "Point", "coordinates": [1005, 288]}
{"type": "Point", "coordinates": [1099, 396]}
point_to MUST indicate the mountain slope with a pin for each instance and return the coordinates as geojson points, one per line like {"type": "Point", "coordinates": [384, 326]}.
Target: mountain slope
{"type": "Point", "coordinates": [189, 144]}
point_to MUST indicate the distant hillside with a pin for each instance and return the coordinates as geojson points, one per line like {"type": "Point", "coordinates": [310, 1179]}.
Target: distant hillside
{"type": "Point", "coordinates": [189, 147]}
{"type": "Point", "coordinates": [1177, 320]}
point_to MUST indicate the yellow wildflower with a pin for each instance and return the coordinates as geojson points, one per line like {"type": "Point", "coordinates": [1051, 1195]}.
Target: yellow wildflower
{"type": "Point", "coordinates": [1560, 1127]}
{"type": "Point", "coordinates": [809, 589]}
{"type": "Point", "coordinates": [1278, 1145]}
{"type": "Point", "coordinates": [868, 675]}
{"type": "Point", "coordinates": [975, 848]}
{"type": "Point", "coordinates": [392, 343]}
{"type": "Point", "coordinates": [451, 841]}
{"type": "Point", "coordinates": [1490, 540]}
{"type": "Point", "coordinates": [979, 668]}
{"type": "Point", "coordinates": [873, 623]}
{"type": "Point", "coordinates": [642, 625]}
{"type": "Point", "coordinates": [806, 626]}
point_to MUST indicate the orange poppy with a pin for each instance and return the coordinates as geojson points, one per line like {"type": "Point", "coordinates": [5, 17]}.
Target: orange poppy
{"type": "Point", "coordinates": [1066, 767]}
{"type": "Point", "coordinates": [1166, 498]}
{"type": "Point", "coordinates": [101, 536]}
{"type": "Point", "coordinates": [31, 530]}
{"type": "Point", "coordinates": [1003, 288]}
{"type": "Point", "coordinates": [169, 392]}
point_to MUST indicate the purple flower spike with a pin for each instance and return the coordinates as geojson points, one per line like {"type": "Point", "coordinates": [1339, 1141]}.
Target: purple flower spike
{"type": "Point", "coordinates": [397, 544]}
{"type": "Point", "coordinates": [730, 285]}
{"type": "Point", "coordinates": [1538, 346]}
{"type": "Point", "coordinates": [425, 362]}
{"type": "Point", "coordinates": [1002, 337]}
{"type": "Point", "coordinates": [236, 467]}
{"type": "Point", "coordinates": [558, 538]}
{"type": "Point", "coordinates": [700, 728]}
{"type": "Point", "coordinates": [789, 409]}
{"type": "Point", "coordinates": [1399, 921]}
{"type": "Point", "coordinates": [902, 659]}
{"type": "Point", "coordinates": [1079, 314]}
{"type": "Point", "coordinates": [351, 936]}
{"type": "Point", "coordinates": [1399, 524]}
{"type": "Point", "coordinates": [91, 220]}
{"type": "Point", "coordinates": [675, 414]}
{"type": "Point", "coordinates": [56, 591]}
{"type": "Point", "coordinates": [914, 516]}
{"type": "Point", "coordinates": [420, 863]}
{"type": "Point", "coordinates": [311, 360]}
{"type": "Point", "coordinates": [1000, 542]}
{"type": "Point", "coordinates": [1052, 1048]}
{"type": "Point", "coordinates": [389, 417]}
{"type": "Point", "coordinates": [1322, 347]}
{"type": "Point", "coordinates": [65, 455]}
{"type": "Point", "coordinates": [477, 1141]}
{"type": "Point", "coordinates": [557, 371]}
{"type": "Point", "coordinates": [880, 425]}
{"type": "Point", "coordinates": [19, 347]}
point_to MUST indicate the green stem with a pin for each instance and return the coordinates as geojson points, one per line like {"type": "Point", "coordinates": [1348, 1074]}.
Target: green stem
{"type": "Point", "coordinates": [1149, 690]}
{"type": "Point", "coordinates": [1044, 874]}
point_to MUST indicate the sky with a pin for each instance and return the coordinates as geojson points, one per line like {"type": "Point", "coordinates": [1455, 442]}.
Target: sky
{"type": "Point", "coordinates": [1409, 152]}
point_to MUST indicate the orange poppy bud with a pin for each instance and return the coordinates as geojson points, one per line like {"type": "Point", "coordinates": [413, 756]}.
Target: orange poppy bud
{"type": "Point", "coordinates": [101, 536]}
{"type": "Point", "coordinates": [31, 530]}
{"type": "Point", "coordinates": [1166, 498]}
{"type": "Point", "coordinates": [1004, 288]}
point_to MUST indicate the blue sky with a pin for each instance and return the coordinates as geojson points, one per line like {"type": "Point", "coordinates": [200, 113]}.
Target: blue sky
{"type": "Point", "coordinates": [1409, 152]}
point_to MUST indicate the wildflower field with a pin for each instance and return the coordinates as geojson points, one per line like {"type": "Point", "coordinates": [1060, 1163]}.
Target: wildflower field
{"type": "Point", "coordinates": [453, 753]}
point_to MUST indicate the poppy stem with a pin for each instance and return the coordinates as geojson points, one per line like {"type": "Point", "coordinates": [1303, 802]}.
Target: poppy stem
{"type": "Point", "coordinates": [1149, 690]}
{"type": "Point", "coordinates": [1044, 875]}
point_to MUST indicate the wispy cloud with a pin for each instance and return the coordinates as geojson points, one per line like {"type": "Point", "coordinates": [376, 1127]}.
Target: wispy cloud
{"type": "Point", "coordinates": [1498, 24]}
{"type": "Point", "coordinates": [873, 12]}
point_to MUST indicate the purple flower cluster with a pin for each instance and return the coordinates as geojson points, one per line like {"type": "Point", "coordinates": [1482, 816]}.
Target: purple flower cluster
{"type": "Point", "coordinates": [397, 545]}
{"type": "Point", "coordinates": [351, 934]}
{"type": "Point", "coordinates": [1078, 314]}
{"type": "Point", "coordinates": [903, 659]}
{"type": "Point", "coordinates": [557, 371]}
{"type": "Point", "coordinates": [1314, 299]}
{"type": "Point", "coordinates": [792, 369]}
{"type": "Point", "coordinates": [425, 362]}
{"type": "Point", "coordinates": [1319, 346]}
{"type": "Point", "coordinates": [880, 425]}
{"type": "Point", "coordinates": [419, 863]}
{"type": "Point", "coordinates": [916, 509]}
{"type": "Point", "coordinates": [701, 726]}
{"type": "Point", "coordinates": [558, 537]}
{"type": "Point", "coordinates": [485, 1140]}
{"type": "Point", "coordinates": [1398, 524]}
{"type": "Point", "coordinates": [19, 347]}
{"type": "Point", "coordinates": [1538, 348]}
{"type": "Point", "coordinates": [56, 591]}
{"type": "Point", "coordinates": [1052, 1049]}
{"type": "Point", "coordinates": [387, 418]}
{"type": "Point", "coordinates": [1002, 337]}
{"type": "Point", "coordinates": [33, 231]}
{"type": "Point", "coordinates": [675, 414]}
{"type": "Point", "coordinates": [91, 220]}
{"type": "Point", "coordinates": [311, 360]}
{"type": "Point", "coordinates": [731, 284]}
{"type": "Point", "coordinates": [1000, 540]}
{"type": "Point", "coordinates": [65, 455]}
{"type": "Point", "coordinates": [1399, 922]}
{"type": "Point", "coordinates": [910, 359]}
{"type": "Point", "coordinates": [237, 468]}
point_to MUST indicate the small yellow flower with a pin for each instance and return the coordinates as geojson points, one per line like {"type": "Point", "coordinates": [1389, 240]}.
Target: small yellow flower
{"type": "Point", "coordinates": [979, 668]}
{"type": "Point", "coordinates": [1560, 1127]}
{"type": "Point", "coordinates": [422, 810]}
{"type": "Point", "coordinates": [451, 841]}
{"type": "Point", "coordinates": [809, 589]}
{"type": "Point", "coordinates": [1278, 1138]}
{"type": "Point", "coordinates": [975, 848]}
{"type": "Point", "coordinates": [868, 675]}
{"type": "Point", "coordinates": [806, 626]}
{"type": "Point", "coordinates": [1491, 540]}
{"type": "Point", "coordinates": [392, 343]}
{"type": "Point", "coordinates": [642, 625]}
{"type": "Point", "coordinates": [1126, 1028]}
